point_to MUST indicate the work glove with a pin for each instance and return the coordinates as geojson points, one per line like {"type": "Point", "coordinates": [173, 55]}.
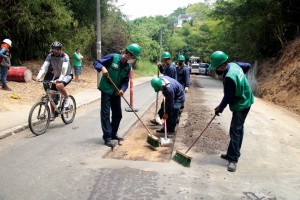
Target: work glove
{"type": "Point", "coordinates": [165, 116]}
{"type": "Point", "coordinates": [159, 64]}
{"type": "Point", "coordinates": [217, 111]}
{"type": "Point", "coordinates": [186, 89]}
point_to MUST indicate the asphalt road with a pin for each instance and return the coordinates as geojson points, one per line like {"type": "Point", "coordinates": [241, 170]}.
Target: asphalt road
{"type": "Point", "coordinates": [67, 162]}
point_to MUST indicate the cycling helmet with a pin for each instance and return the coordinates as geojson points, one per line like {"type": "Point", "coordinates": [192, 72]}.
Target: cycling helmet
{"type": "Point", "coordinates": [56, 45]}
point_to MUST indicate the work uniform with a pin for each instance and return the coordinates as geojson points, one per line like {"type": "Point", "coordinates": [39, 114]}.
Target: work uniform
{"type": "Point", "coordinates": [169, 70]}
{"type": "Point", "coordinates": [110, 99]}
{"type": "Point", "coordinates": [183, 76]}
{"type": "Point", "coordinates": [239, 96]}
{"type": "Point", "coordinates": [174, 97]}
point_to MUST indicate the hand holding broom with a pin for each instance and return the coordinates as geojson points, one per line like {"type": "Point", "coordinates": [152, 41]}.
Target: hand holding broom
{"type": "Point", "coordinates": [152, 140]}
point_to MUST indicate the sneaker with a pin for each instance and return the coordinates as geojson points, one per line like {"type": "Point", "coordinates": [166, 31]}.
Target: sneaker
{"type": "Point", "coordinates": [117, 137]}
{"type": "Point", "coordinates": [52, 116]}
{"type": "Point", "coordinates": [156, 121]}
{"type": "Point", "coordinates": [6, 88]}
{"type": "Point", "coordinates": [109, 143]}
{"type": "Point", "coordinates": [153, 121]}
{"type": "Point", "coordinates": [162, 130]}
{"type": "Point", "coordinates": [232, 166]}
{"type": "Point", "coordinates": [67, 102]}
{"type": "Point", "coordinates": [171, 134]}
{"type": "Point", "coordinates": [224, 156]}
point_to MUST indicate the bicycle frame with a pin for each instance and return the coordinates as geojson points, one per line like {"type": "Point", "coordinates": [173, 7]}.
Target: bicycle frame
{"type": "Point", "coordinates": [48, 98]}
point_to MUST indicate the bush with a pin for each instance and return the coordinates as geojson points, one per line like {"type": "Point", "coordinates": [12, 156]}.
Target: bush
{"type": "Point", "coordinates": [145, 68]}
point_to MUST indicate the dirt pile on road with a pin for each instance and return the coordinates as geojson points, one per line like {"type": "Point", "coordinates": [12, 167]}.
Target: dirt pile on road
{"type": "Point", "coordinates": [193, 120]}
{"type": "Point", "coordinates": [279, 78]}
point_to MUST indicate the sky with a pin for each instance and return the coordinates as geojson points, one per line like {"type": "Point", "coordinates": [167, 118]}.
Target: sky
{"type": "Point", "coordinates": [140, 8]}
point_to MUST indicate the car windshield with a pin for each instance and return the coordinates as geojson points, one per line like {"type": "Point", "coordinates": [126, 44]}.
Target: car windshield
{"type": "Point", "coordinates": [203, 65]}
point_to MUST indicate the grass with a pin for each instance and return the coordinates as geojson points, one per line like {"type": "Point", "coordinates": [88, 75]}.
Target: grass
{"type": "Point", "coordinates": [145, 68]}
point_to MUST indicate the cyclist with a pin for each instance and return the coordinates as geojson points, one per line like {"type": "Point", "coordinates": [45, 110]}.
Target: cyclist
{"type": "Point", "coordinates": [61, 70]}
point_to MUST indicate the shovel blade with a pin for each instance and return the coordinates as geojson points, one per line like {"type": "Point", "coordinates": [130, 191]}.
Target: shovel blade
{"type": "Point", "coordinates": [166, 142]}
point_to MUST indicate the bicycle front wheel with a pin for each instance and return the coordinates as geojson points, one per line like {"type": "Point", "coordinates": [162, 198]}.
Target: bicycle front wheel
{"type": "Point", "coordinates": [68, 113]}
{"type": "Point", "coordinates": [39, 118]}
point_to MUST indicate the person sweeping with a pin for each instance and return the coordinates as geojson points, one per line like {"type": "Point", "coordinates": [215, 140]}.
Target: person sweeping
{"type": "Point", "coordinates": [117, 67]}
{"type": "Point", "coordinates": [239, 96]}
{"type": "Point", "coordinates": [174, 97]}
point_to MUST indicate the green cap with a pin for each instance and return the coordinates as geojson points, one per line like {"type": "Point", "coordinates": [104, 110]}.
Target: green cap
{"type": "Point", "coordinates": [156, 83]}
{"type": "Point", "coordinates": [181, 57]}
{"type": "Point", "coordinates": [217, 58]}
{"type": "Point", "coordinates": [166, 55]}
{"type": "Point", "coordinates": [135, 49]}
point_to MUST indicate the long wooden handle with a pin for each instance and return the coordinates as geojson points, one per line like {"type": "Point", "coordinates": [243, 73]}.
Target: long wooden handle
{"type": "Point", "coordinates": [129, 105]}
{"type": "Point", "coordinates": [201, 134]}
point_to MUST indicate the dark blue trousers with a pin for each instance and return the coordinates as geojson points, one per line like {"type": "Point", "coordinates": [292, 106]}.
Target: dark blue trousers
{"type": "Point", "coordinates": [113, 103]}
{"type": "Point", "coordinates": [173, 117]}
{"type": "Point", "coordinates": [236, 134]}
{"type": "Point", "coordinates": [4, 71]}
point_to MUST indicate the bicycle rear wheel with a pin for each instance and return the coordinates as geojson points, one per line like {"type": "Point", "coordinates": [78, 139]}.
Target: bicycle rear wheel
{"type": "Point", "coordinates": [68, 114]}
{"type": "Point", "coordinates": [39, 118]}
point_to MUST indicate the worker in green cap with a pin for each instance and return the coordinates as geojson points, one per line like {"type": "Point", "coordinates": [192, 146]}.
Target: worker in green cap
{"type": "Point", "coordinates": [117, 67]}
{"type": "Point", "coordinates": [183, 73]}
{"type": "Point", "coordinates": [166, 67]}
{"type": "Point", "coordinates": [238, 95]}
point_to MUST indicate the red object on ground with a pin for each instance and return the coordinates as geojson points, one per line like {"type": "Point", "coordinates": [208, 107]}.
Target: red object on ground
{"type": "Point", "coordinates": [19, 74]}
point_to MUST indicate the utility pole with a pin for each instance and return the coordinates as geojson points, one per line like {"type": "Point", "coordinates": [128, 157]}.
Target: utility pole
{"type": "Point", "coordinates": [98, 38]}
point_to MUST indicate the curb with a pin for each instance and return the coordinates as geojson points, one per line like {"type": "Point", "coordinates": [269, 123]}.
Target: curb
{"type": "Point", "coordinates": [12, 131]}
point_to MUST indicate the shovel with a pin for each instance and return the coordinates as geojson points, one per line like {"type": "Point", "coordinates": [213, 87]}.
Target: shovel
{"type": "Point", "coordinates": [165, 141]}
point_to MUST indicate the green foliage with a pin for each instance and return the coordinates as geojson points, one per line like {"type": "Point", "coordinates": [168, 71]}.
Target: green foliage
{"type": "Point", "coordinates": [145, 68]}
{"type": "Point", "coordinates": [244, 29]}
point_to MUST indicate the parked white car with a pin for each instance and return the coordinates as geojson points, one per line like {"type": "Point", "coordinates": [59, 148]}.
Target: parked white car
{"type": "Point", "coordinates": [203, 69]}
{"type": "Point", "coordinates": [195, 68]}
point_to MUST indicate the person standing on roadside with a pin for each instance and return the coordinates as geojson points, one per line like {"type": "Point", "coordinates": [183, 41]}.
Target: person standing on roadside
{"type": "Point", "coordinates": [117, 67]}
{"type": "Point", "coordinates": [5, 62]}
{"type": "Point", "coordinates": [183, 73]}
{"type": "Point", "coordinates": [77, 57]}
{"type": "Point", "coordinates": [239, 96]}
{"type": "Point", "coordinates": [166, 67]}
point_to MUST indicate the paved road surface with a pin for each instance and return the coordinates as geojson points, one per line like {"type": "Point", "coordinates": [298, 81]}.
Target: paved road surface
{"type": "Point", "coordinates": [67, 163]}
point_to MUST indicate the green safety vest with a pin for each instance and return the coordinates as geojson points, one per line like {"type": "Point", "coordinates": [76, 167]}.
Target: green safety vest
{"type": "Point", "coordinates": [116, 73]}
{"type": "Point", "coordinates": [243, 95]}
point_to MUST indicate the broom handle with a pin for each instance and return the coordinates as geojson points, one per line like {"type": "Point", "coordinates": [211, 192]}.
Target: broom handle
{"type": "Point", "coordinates": [200, 134]}
{"type": "Point", "coordinates": [129, 104]}
{"type": "Point", "coordinates": [156, 106]}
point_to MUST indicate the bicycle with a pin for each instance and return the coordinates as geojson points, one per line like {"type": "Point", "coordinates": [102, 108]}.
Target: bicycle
{"type": "Point", "coordinates": [39, 115]}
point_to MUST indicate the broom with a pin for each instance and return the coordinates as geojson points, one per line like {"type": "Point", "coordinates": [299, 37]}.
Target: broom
{"type": "Point", "coordinates": [152, 140]}
{"type": "Point", "coordinates": [183, 158]}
